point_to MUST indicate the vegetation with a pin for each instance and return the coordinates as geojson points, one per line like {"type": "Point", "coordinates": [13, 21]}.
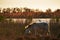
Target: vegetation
{"type": "Point", "coordinates": [55, 27]}
{"type": "Point", "coordinates": [11, 30]}
{"type": "Point", "coordinates": [1, 18]}
{"type": "Point", "coordinates": [26, 12]}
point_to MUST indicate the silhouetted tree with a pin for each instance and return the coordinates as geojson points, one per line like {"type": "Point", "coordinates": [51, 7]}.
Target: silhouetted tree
{"type": "Point", "coordinates": [4, 10]}
{"type": "Point", "coordinates": [19, 10]}
{"type": "Point", "coordinates": [27, 9]}
{"type": "Point", "coordinates": [14, 10]}
{"type": "Point", "coordinates": [48, 10]}
{"type": "Point", "coordinates": [0, 10]}
{"type": "Point", "coordinates": [8, 10]}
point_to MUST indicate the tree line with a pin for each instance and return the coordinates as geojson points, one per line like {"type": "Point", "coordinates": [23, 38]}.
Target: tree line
{"type": "Point", "coordinates": [28, 13]}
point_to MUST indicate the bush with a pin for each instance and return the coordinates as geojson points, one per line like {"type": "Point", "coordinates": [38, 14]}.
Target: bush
{"type": "Point", "coordinates": [1, 18]}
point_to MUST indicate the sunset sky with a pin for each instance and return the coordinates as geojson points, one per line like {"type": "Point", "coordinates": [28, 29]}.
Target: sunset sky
{"type": "Point", "coordinates": [36, 4]}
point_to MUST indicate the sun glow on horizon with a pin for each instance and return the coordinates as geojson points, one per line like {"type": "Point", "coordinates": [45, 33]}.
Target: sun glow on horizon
{"type": "Point", "coordinates": [34, 4]}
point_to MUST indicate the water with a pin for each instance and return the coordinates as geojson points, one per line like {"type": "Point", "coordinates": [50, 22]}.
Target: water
{"type": "Point", "coordinates": [36, 20]}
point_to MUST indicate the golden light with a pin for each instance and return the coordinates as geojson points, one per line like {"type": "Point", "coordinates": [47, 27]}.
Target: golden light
{"type": "Point", "coordinates": [35, 4]}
